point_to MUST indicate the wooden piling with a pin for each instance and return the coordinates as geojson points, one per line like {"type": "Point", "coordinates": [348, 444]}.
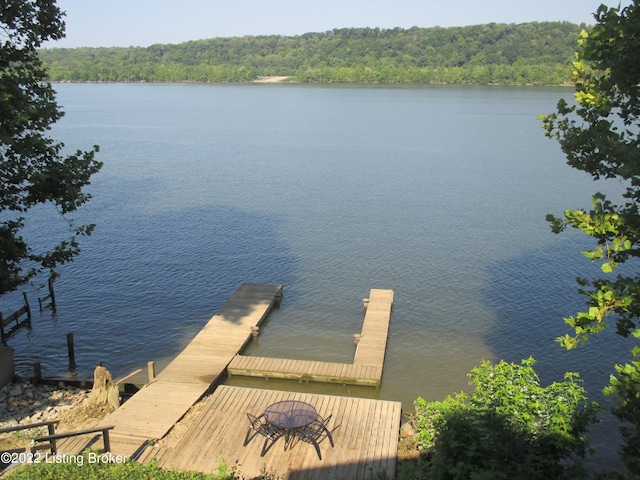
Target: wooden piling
{"type": "Point", "coordinates": [71, 350]}
{"type": "Point", "coordinates": [26, 305]}
{"type": "Point", "coordinates": [37, 372]}
{"type": "Point", "coordinates": [51, 296]}
{"type": "Point", "coordinates": [52, 292]}
{"type": "Point", "coordinates": [151, 371]}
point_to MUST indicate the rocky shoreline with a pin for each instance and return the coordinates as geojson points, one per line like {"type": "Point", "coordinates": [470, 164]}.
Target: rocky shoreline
{"type": "Point", "coordinates": [23, 403]}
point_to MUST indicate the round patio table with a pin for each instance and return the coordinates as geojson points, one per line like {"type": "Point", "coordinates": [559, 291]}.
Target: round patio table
{"type": "Point", "coordinates": [290, 415]}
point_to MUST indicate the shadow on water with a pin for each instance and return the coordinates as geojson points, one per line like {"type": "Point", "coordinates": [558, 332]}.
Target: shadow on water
{"type": "Point", "coordinates": [147, 281]}
{"type": "Point", "coordinates": [530, 295]}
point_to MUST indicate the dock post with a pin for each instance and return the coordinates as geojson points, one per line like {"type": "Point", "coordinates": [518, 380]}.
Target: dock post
{"type": "Point", "coordinates": [254, 331]}
{"type": "Point", "coordinates": [51, 292]}
{"type": "Point", "coordinates": [72, 353]}
{"type": "Point", "coordinates": [151, 371]}
{"type": "Point", "coordinates": [37, 372]}
{"type": "Point", "coordinates": [51, 296]}
{"type": "Point", "coordinates": [365, 304]}
{"type": "Point", "coordinates": [26, 305]}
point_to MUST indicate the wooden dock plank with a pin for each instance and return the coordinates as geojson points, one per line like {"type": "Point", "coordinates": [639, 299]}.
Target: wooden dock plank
{"type": "Point", "coordinates": [343, 410]}
{"type": "Point", "coordinates": [77, 445]}
{"type": "Point", "coordinates": [361, 429]}
{"type": "Point", "coordinates": [353, 433]}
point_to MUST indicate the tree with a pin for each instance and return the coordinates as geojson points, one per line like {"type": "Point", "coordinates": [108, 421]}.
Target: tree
{"type": "Point", "coordinates": [599, 134]}
{"type": "Point", "coordinates": [33, 170]}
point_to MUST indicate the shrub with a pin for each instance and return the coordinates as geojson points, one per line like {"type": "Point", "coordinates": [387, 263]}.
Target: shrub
{"type": "Point", "coordinates": [509, 427]}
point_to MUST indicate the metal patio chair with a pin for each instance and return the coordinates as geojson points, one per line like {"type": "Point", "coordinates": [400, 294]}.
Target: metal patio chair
{"type": "Point", "coordinates": [260, 426]}
{"type": "Point", "coordinates": [315, 432]}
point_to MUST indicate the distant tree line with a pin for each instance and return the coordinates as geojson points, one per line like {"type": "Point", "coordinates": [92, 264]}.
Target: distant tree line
{"type": "Point", "coordinates": [529, 53]}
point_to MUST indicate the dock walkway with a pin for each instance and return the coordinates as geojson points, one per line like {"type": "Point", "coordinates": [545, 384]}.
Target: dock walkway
{"type": "Point", "coordinates": [375, 329]}
{"type": "Point", "coordinates": [366, 368]}
{"type": "Point", "coordinates": [157, 407]}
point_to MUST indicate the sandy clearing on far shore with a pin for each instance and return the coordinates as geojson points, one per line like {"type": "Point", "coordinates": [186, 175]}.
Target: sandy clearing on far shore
{"type": "Point", "coordinates": [270, 79]}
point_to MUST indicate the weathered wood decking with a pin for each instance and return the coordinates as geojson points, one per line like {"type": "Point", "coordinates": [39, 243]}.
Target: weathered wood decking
{"type": "Point", "coordinates": [375, 329]}
{"type": "Point", "coordinates": [365, 433]}
{"type": "Point", "coordinates": [365, 370]}
{"type": "Point", "coordinates": [306, 370]}
{"type": "Point", "coordinates": [154, 410]}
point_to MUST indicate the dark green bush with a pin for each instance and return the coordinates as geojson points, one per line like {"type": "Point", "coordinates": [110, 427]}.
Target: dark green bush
{"type": "Point", "coordinates": [510, 427]}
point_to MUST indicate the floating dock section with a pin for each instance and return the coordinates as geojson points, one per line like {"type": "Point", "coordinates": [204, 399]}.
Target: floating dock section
{"type": "Point", "coordinates": [365, 370]}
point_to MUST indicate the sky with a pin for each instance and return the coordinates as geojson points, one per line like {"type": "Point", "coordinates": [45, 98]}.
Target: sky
{"type": "Point", "coordinates": [124, 23]}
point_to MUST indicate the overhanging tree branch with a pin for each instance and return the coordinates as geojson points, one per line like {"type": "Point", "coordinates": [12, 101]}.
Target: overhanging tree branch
{"type": "Point", "coordinates": [33, 169]}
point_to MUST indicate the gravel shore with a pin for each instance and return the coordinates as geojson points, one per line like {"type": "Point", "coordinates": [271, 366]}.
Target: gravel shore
{"type": "Point", "coordinates": [22, 403]}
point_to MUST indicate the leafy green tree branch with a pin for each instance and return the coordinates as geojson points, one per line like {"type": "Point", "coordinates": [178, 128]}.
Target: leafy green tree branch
{"type": "Point", "coordinates": [33, 169]}
{"type": "Point", "coordinates": [600, 135]}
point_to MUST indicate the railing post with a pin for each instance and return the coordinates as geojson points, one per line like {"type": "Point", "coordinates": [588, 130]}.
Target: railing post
{"type": "Point", "coordinates": [105, 440]}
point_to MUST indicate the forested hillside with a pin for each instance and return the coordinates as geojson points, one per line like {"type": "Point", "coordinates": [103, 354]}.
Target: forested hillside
{"type": "Point", "coordinates": [529, 53]}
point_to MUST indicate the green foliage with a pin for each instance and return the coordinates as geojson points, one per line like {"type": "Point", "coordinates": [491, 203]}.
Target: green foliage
{"type": "Point", "coordinates": [624, 389]}
{"type": "Point", "coordinates": [32, 170]}
{"type": "Point", "coordinates": [83, 469]}
{"type": "Point", "coordinates": [510, 427]}
{"type": "Point", "coordinates": [530, 53]}
{"type": "Point", "coordinates": [599, 135]}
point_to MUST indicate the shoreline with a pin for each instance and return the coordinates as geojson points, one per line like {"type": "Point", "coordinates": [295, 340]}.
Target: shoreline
{"type": "Point", "coordinates": [291, 80]}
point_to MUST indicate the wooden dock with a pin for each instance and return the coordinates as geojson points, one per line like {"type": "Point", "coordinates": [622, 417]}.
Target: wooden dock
{"type": "Point", "coordinates": [365, 433]}
{"type": "Point", "coordinates": [375, 329]}
{"type": "Point", "coordinates": [154, 410]}
{"type": "Point", "coordinates": [365, 370]}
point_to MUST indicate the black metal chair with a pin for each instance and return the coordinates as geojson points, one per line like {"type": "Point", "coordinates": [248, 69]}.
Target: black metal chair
{"type": "Point", "coordinates": [260, 426]}
{"type": "Point", "coordinates": [315, 432]}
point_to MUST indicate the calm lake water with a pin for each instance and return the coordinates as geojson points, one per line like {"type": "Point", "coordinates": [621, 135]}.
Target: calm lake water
{"type": "Point", "coordinates": [438, 193]}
